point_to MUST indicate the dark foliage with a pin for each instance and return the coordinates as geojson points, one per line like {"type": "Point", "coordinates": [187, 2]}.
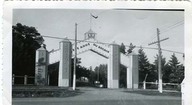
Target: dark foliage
{"type": "Point", "coordinates": [123, 76]}
{"type": "Point", "coordinates": [101, 74]}
{"type": "Point", "coordinates": [131, 47]}
{"type": "Point", "coordinates": [26, 40]}
{"type": "Point", "coordinates": [144, 65]}
{"type": "Point", "coordinates": [122, 48]}
{"type": "Point", "coordinates": [176, 69]}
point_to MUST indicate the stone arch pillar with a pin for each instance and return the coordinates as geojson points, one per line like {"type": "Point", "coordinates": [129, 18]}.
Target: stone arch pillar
{"type": "Point", "coordinates": [133, 72]}
{"type": "Point", "coordinates": [41, 66]}
{"type": "Point", "coordinates": [113, 67]}
{"type": "Point", "coordinates": [64, 78]}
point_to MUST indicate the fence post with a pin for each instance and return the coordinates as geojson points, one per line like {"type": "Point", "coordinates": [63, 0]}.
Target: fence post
{"type": "Point", "coordinates": [25, 80]}
{"type": "Point", "coordinates": [144, 85]}
{"type": "Point", "coordinates": [156, 83]}
{"type": "Point", "coordinates": [13, 79]}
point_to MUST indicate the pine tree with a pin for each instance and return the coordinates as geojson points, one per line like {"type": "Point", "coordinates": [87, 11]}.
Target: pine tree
{"type": "Point", "coordinates": [101, 74]}
{"type": "Point", "coordinates": [165, 68]}
{"type": "Point", "coordinates": [122, 48]}
{"type": "Point", "coordinates": [152, 73]}
{"type": "Point", "coordinates": [131, 47]}
{"type": "Point", "coordinates": [144, 65]}
{"type": "Point", "coordinates": [181, 73]}
{"type": "Point", "coordinates": [176, 75]}
{"type": "Point", "coordinates": [166, 71]}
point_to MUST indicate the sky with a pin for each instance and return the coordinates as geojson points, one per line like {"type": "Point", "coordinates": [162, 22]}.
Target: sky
{"type": "Point", "coordinates": [122, 26]}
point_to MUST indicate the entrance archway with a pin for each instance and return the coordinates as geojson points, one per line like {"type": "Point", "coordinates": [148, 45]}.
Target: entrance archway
{"type": "Point", "coordinates": [108, 51]}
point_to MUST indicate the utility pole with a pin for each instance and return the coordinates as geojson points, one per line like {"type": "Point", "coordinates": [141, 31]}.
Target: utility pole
{"type": "Point", "coordinates": [75, 59]}
{"type": "Point", "coordinates": [160, 86]}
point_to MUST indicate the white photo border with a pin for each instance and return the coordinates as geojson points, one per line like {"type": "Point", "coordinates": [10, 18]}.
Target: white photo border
{"type": "Point", "coordinates": [7, 31]}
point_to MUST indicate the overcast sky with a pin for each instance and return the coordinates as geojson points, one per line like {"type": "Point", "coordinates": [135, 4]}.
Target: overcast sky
{"type": "Point", "coordinates": [122, 26]}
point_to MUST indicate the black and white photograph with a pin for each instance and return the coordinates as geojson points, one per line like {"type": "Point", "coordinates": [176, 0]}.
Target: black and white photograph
{"type": "Point", "coordinates": [98, 56]}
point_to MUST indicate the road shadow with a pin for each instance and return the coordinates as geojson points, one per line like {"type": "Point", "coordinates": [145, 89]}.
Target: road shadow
{"type": "Point", "coordinates": [153, 93]}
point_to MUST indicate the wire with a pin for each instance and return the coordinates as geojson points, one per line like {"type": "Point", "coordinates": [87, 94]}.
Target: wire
{"type": "Point", "coordinates": [77, 40]}
{"type": "Point", "coordinates": [172, 51]}
{"type": "Point", "coordinates": [152, 48]}
{"type": "Point", "coordinates": [166, 29]}
{"type": "Point", "coordinates": [162, 27]}
{"type": "Point", "coordinates": [172, 26]}
{"type": "Point", "coordinates": [149, 39]}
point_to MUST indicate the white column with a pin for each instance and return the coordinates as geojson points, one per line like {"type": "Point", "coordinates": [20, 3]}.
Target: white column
{"type": "Point", "coordinates": [135, 67]}
{"type": "Point", "coordinates": [113, 66]}
{"type": "Point", "coordinates": [109, 73]}
{"type": "Point", "coordinates": [129, 78]}
{"type": "Point", "coordinates": [64, 78]}
{"type": "Point", "coordinates": [41, 66]}
{"type": "Point", "coordinates": [132, 72]}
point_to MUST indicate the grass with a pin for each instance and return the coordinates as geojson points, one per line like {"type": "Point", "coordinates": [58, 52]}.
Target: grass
{"type": "Point", "coordinates": [155, 93]}
{"type": "Point", "coordinates": [54, 91]}
{"type": "Point", "coordinates": [42, 91]}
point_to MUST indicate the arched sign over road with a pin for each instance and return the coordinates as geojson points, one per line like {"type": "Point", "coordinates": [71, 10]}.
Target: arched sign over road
{"type": "Point", "coordinates": [110, 52]}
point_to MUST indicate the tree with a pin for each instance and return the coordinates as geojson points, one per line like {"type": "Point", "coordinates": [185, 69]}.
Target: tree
{"type": "Point", "coordinates": [122, 48]}
{"type": "Point", "coordinates": [131, 47]}
{"type": "Point", "coordinates": [166, 71]}
{"type": "Point", "coordinates": [165, 68]}
{"type": "Point", "coordinates": [144, 65]}
{"type": "Point", "coordinates": [92, 77]}
{"type": "Point", "coordinates": [101, 74]}
{"type": "Point", "coordinates": [26, 40]}
{"type": "Point", "coordinates": [80, 71]}
{"type": "Point", "coordinates": [177, 70]}
{"type": "Point", "coordinates": [123, 76]}
{"type": "Point", "coordinates": [181, 73]}
{"type": "Point", "coordinates": [152, 73]}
